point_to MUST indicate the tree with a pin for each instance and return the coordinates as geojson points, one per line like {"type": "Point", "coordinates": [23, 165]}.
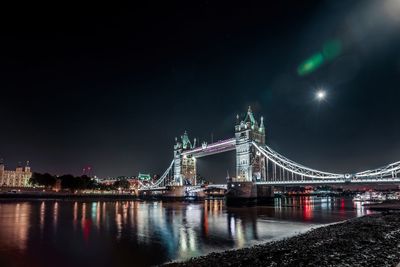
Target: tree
{"type": "Point", "coordinates": [104, 187]}
{"type": "Point", "coordinates": [123, 183]}
{"type": "Point", "coordinates": [85, 182]}
{"type": "Point", "coordinates": [71, 182]}
{"type": "Point", "coordinates": [68, 181]}
{"type": "Point", "coordinates": [46, 179]}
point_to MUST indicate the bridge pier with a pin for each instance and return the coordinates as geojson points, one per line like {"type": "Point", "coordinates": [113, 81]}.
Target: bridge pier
{"type": "Point", "coordinates": [179, 193]}
{"type": "Point", "coordinates": [174, 193]}
{"type": "Point", "coordinates": [241, 193]}
{"type": "Point", "coordinates": [265, 194]}
{"type": "Point", "coordinates": [248, 193]}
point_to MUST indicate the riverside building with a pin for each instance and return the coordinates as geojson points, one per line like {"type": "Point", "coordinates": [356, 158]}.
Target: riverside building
{"type": "Point", "coordinates": [18, 177]}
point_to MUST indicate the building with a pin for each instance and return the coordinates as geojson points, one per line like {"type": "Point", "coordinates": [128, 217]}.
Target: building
{"type": "Point", "coordinates": [18, 177]}
{"type": "Point", "coordinates": [144, 176]}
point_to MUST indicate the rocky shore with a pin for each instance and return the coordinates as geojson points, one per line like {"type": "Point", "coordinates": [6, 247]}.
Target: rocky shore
{"type": "Point", "coordinates": [372, 240]}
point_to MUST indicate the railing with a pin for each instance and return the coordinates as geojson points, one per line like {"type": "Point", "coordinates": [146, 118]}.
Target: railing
{"type": "Point", "coordinates": [294, 167]}
{"type": "Point", "coordinates": [328, 181]}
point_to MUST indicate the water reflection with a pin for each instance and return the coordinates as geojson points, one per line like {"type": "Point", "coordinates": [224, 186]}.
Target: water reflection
{"type": "Point", "coordinates": [55, 215]}
{"type": "Point", "coordinates": [14, 226]}
{"type": "Point", "coordinates": [148, 233]}
{"type": "Point", "coordinates": [361, 211]}
{"type": "Point", "coordinates": [42, 213]}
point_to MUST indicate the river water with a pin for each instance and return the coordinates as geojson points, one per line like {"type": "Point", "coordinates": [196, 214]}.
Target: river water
{"type": "Point", "coordinates": [134, 233]}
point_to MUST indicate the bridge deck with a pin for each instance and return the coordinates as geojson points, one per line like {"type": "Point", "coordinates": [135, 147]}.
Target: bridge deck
{"type": "Point", "coordinates": [335, 181]}
{"type": "Point", "coordinates": [214, 148]}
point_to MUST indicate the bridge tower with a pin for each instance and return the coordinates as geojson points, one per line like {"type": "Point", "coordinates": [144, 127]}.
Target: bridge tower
{"type": "Point", "coordinates": [184, 164]}
{"type": "Point", "coordinates": [250, 165]}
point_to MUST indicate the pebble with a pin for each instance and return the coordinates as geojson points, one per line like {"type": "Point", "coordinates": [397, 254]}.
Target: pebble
{"type": "Point", "coordinates": [357, 242]}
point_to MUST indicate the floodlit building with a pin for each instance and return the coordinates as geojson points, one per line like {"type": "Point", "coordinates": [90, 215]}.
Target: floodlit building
{"type": "Point", "coordinates": [144, 176]}
{"type": "Point", "coordinates": [18, 177]}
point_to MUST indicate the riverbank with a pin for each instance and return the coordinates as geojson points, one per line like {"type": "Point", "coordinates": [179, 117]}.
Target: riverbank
{"type": "Point", "coordinates": [39, 195]}
{"type": "Point", "coordinates": [32, 196]}
{"type": "Point", "coordinates": [372, 240]}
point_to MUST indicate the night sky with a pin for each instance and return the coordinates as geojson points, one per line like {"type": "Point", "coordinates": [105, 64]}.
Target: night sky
{"type": "Point", "coordinates": [111, 87]}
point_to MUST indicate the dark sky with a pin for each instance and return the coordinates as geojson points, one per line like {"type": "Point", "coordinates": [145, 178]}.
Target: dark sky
{"type": "Point", "coordinates": [111, 87]}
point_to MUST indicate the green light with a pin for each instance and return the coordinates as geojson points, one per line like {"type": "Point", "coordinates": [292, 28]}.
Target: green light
{"type": "Point", "coordinates": [310, 64]}
{"type": "Point", "coordinates": [330, 50]}
{"type": "Point", "coordinates": [143, 176]}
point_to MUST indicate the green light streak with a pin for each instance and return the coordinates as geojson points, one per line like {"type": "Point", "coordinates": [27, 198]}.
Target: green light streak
{"type": "Point", "coordinates": [330, 51]}
{"type": "Point", "coordinates": [310, 64]}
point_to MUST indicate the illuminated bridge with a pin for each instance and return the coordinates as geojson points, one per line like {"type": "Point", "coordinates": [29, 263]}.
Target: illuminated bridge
{"type": "Point", "coordinates": [258, 163]}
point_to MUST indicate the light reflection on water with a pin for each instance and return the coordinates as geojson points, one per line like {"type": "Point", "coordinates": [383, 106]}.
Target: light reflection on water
{"type": "Point", "coordinates": [126, 233]}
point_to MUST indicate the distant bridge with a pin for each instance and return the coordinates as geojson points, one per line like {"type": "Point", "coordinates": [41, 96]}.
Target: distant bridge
{"type": "Point", "coordinates": [258, 163]}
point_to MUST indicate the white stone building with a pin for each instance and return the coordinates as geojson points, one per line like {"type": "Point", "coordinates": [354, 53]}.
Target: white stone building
{"type": "Point", "coordinates": [18, 177]}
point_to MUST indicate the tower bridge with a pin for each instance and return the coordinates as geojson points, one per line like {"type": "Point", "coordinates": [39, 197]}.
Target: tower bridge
{"type": "Point", "coordinates": [258, 167]}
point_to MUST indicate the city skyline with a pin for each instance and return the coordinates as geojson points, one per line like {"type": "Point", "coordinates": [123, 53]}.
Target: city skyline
{"type": "Point", "coordinates": [114, 91]}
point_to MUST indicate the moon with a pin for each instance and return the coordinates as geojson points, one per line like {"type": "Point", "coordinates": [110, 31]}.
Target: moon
{"type": "Point", "coordinates": [320, 95]}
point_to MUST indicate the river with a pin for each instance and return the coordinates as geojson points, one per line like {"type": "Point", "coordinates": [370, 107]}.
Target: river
{"type": "Point", "coordinates": [134, 233]}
